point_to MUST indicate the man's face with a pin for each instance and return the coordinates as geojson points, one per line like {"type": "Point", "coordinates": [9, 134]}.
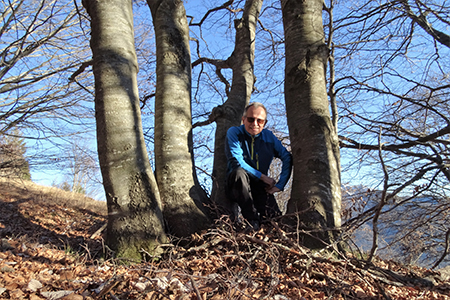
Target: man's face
{"type": "Point", "coordinates": [255, 120]}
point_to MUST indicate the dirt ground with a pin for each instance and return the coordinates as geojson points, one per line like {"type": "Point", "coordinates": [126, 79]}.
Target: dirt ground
{"type": "Point", "coordinates": [52, 248]}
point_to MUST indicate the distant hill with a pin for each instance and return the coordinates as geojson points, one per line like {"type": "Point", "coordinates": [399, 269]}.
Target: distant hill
{"type": "Point", "coordinates": [411, 230]}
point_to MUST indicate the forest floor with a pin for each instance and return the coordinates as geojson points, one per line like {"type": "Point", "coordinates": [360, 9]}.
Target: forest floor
{"type": "Point", "coordinates": [52, 248]}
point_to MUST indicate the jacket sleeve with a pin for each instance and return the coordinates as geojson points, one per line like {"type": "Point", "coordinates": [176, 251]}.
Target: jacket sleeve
{"type": "Point", "coordinates": [286, 158]}
{"type": "Point", "coordinates": [237, 153]}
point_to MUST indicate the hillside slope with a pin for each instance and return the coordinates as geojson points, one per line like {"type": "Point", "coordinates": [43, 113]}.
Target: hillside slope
{"type": "Point", "coordinates": [52, 248]}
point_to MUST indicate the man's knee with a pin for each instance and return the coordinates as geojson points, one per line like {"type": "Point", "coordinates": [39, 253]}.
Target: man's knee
{"type": "Point", "coordinates": [240, 174]}
{"type": "Point", "coordinates": [238, 178]}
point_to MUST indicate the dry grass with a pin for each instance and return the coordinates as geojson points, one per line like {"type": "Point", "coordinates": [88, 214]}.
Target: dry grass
{"type": "Point", "coordinates": [51, 195]}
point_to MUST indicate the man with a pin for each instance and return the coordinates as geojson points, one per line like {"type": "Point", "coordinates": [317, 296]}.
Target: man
{"type": "Point", "coordinates": [250, 150]}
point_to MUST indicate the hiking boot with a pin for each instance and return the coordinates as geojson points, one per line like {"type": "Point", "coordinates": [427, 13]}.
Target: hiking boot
{"type": "Point", "coordinates": [254, 225]}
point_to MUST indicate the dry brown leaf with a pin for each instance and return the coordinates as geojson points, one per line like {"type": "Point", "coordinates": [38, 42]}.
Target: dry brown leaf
{"type": "Point", "coordinates": [360, 293]}
{"type": "Point", "coordinates": [226, 264]}
{"type": "Point", "coordinates": [72, 296]}
{"type": "Point", "coordinates": [66, 275]}
{"type": "Point", "coordinates": [17, 294]}
{"type": "Point", "coordinates": [35, 297]}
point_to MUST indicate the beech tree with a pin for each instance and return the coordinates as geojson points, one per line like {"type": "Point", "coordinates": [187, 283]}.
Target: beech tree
{"type": "Point", "coordinates": [238, 92]}
{"type": "Point", "coordinates": [183, 199]}
{"type": "Point", "coordinates": [316, 189]}
{"type": "Point", "coordinates": [135, 219]}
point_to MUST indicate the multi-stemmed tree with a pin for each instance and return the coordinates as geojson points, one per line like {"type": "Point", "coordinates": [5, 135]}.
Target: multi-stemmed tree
{"type": "Point", "coordinates": [115, 73]}
{"type": "Point", "coordinates": [390, 97]}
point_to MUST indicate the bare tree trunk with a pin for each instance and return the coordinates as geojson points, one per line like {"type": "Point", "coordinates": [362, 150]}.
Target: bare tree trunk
{"type": "Point", "coordinates": [314, 143]}
{"type": "Point", "coordinates": [183, 198]}
{"type": "Point", "coordinates": [134, 209]}
{"type": "Point", "coordinates": [230, 113]}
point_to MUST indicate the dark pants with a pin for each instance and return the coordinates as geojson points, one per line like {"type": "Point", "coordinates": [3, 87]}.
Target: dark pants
{"type": "Point", "coordinates": [250, 194]}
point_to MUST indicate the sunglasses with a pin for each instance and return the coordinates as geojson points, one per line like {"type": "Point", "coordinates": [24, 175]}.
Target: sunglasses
{"type": "Point", "coordinates": [252, 120]}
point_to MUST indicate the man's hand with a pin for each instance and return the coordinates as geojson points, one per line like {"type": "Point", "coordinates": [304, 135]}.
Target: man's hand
{"type": "Point", "coordinates": [270, 184]}
{"type": "Point", "coordinates": [273, 190]}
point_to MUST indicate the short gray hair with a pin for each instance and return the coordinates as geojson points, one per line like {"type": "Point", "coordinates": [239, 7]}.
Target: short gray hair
{"type": "Point", "coordinates": [255, 105]}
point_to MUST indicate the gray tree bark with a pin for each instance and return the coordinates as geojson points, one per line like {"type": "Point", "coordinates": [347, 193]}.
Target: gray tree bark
{"type": "Point", "coordinates": [229, 114]}
{"type": "Point", "coordinates": [314, 142]}
{"type": "Point", "coordinates": [183, 198]}
{"type": "Point", "coordinates": [134, 208]}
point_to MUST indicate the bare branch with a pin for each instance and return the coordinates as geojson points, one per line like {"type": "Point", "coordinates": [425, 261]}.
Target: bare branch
{"type": "Point", "coordinates": [223, 6]}
{"type": "Point", "coordinates": [422, 21]}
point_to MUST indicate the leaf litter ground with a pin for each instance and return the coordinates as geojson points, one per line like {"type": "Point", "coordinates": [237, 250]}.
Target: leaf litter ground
{"type": "Point", "coordinates": [52, 248]}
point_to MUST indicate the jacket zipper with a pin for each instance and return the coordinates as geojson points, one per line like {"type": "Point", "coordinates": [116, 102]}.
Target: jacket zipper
{"type": "Point", "coordinates": [257, 158]}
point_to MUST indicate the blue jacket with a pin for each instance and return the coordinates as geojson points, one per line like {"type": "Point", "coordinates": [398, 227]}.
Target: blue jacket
{"type": "Point", "coordinates": [255, 154]}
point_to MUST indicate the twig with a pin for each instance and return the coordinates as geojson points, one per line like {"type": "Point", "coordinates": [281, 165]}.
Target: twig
{"type": "Point", "coordinates": [447, 246]}
{"type": "Point", "coordinates": [194, 285]}
{"type": "Point", "coordinates": [97, 233]}
{"type": "Point", "coordinates": [382, 200]}
{"type": "Point", "coordinates": [380, 288]}
{"type": "Point", "coordinates": [107, 287]}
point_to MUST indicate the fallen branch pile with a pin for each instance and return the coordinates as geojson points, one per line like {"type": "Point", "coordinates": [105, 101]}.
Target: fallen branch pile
{"type": "Point", "coordinates": [269, 264]}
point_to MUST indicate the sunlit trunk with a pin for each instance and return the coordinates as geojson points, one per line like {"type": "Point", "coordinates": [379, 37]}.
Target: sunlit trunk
{"type": "Point", "coordinates": [314, 143]}
{"type": "Point", "coordinates": [134, 209]}
{"type": "Point", "coordinates": [230, 113]}
{"type": "Point", "coordinates": [183, 198]}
